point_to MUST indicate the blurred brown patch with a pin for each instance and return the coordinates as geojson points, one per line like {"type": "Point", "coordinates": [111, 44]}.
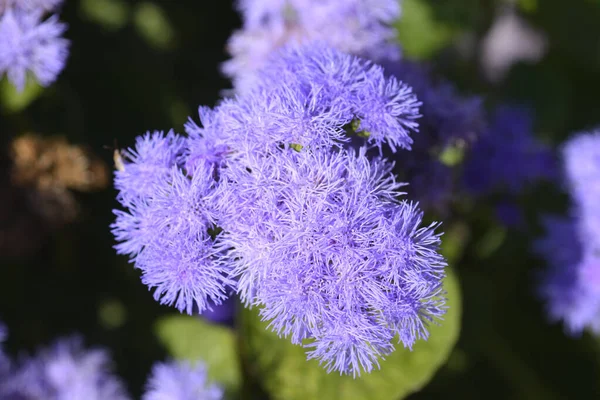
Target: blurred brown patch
{"type": "Point", "coordinates": [37, 183]}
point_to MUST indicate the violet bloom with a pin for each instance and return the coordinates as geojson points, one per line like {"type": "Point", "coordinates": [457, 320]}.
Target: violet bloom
{"type": "Point", "coordinates": [66, 370]}
{"type": "Point", "coordinates": [571, 286]}
{"type": "Point", "coordinates": [328, 254]}
{"type": "Point", "coordinates": [28, 43]}
{"type": "Point", "coordinates": [508, 157]}
{"type": "Point", "coordinates": [149, 163]}
{"type": "Point", "coordinates": [581, 156]}
{"type": "Point", "coordinates": [266, 200]}
{"type": "Point", "coordinates": [361, 27]}
{"type": "Point", "coordinates": [449, 120]}
{"type": "Point", "coordinates": [310, 96]}
{"type": "Point", "coordinates": [179, 381]}
{"type": "Point", "coordinates": [167, 234]}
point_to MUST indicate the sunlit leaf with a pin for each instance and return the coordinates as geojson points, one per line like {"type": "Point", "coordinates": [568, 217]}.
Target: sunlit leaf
{"type": "Point", "coordinates": [191, 338]}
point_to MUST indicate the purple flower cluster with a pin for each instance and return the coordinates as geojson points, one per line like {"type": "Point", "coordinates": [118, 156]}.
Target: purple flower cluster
{"type": "Point", "coordinates": [264, 198]}
{"type": "Point", "coordinates": [31, 43]}
{"type": "Point", "coordinates": [449, 120]}
{"type": "Point", "coordinates": [571, 287]}
{"type": "Point", "coordinates": [361, 27]}
{"type": "Point", "coordinates": [68, 371]}
{"type": "Point", "coordinates": [508, 156]}
{"type": "Point", "coordinates": [63, 371]}
{"type": "Point", "coordinates": [179, 381]}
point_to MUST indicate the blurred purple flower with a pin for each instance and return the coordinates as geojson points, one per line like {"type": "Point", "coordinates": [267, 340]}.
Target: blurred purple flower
{"type": "Point", "coordinates": [361, 27]}
{"type": "Point", "coordinates": [509, 214]}
{"type": "Point", "coordinates": [29, 43]}
{"type": "Point", "coordinates": [581, 156]}
{"type": "Point", "coordinates": [64, 371]}
{"type": "Point", "coordinates": [221, 313]}
{"type": "Point", "coordinates": [508, 157]}
{"type": "Point", "coordinates": [180, 381]}
{"type": "Point", "coordinates": [571, 286]}
{"type": "Point", "coordinates": [30, 5]}
{"type": "Point", "coordinates": [448, 120]}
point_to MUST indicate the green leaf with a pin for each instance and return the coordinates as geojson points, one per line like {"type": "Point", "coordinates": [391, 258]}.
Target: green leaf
{"type": "Point", "coordinates": [153, 25]}
{"type": "Point", "coordinates": [284, 372]}
{"type": "Point", "coordinates": [12, 100]}
{"type": "Point", "coordinates": [420, 34]}
{"type": "Point", "coordinates": [191, 338]}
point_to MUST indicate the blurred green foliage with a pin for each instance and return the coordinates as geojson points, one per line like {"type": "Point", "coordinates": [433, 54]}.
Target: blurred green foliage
{"type": "Point", "coordinates": [193, 339]}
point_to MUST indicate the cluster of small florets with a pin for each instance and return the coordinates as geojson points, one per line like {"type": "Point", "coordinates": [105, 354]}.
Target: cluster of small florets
{"type": "Point", "coordinates": [265, 199]}
{"type": "Point", "coordinates": [68, 370]}
{"type": "Point", "coordinates": [571, 247]}
{"type": "Point", "coordinates": [360, 27]}
{"type": "Point", "coordinates": [30, 42]}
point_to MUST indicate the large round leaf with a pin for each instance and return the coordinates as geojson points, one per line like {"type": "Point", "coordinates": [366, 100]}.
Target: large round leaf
{"type": "Point", "coordinates": [193, 339]}
{"type": "Point", "coordinates": [284, 372]}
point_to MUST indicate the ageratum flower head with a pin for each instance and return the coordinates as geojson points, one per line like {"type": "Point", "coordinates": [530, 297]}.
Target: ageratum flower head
{"type": "Point", "coordinates": [361, 27]}
{"type": "Point", "coordinates": [28, 43]}
{"type": "Point", "coordinates": [311, 233]}
{"type": "Point", "coordinates": [509, 137]}
{"type": "Point", "coordinates": [180, 380]}
{"type": "Point", "coordinates": [311, 96]}
{"type": "Point", "coordinates": [65, 370]}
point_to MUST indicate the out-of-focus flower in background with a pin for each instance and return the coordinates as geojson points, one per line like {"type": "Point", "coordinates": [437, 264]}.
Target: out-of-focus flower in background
{"type": "Point", "coordinates": [41, 174]}
{"type": "Point", "coordinates": [31, 43]}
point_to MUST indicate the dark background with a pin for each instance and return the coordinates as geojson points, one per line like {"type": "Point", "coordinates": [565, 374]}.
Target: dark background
{"type": "Point", "coordinates": [120, 82]}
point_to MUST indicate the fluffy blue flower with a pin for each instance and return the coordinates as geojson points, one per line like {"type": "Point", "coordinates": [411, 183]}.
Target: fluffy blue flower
{"type": "Point", "coordinates": [29, 43]}
{"type": "Point", "coordinates": [149, 163]}
{"type": "Point", "coordinates": [167, 235]}
{"type": "Point", "coordinates": [180, 381]}
{"type": "Point", "coordinates": [266, 200]}
{"type": "Point", "coordinates": [508, 156]}
{"type": "Point", "coordinates": [66, 370]}
{"type": "Point", "coordinates": [310, 95]}
{"type": "Point", "coordinates": [327, 252]}
{"type": "Point", "coordinates": [361, 27]}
